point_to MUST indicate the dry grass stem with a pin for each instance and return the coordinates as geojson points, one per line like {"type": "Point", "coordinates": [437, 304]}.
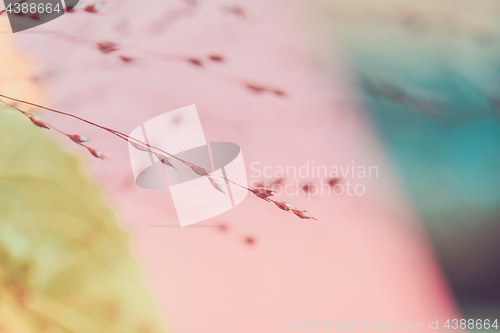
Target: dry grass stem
{"type": "Point", "coordinates": [163, 156]}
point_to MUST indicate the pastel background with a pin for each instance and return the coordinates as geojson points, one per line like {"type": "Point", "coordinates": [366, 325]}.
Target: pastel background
{"type": "Point", "coordinates": [402, 252]}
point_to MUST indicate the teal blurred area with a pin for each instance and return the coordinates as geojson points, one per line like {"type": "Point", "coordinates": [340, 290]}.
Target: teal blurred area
{"type": "Point", "coordinates": [449, 159]}
{"type": "Point", "coordinates": [428, 74]}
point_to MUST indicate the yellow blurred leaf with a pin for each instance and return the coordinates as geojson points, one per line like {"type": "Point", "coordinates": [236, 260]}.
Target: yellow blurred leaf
{"type": "Point", "coordinates": [65, 264]}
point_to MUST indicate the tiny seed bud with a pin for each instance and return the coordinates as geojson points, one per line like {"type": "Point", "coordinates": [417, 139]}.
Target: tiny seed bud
{"type": "Point", "coordinates": [164, 159]}
{"type": "Point", "coordinates": [262, 192]}
{"type": "Point", "coordinates": [138, 146]}
{"type": "Point", "coordinates": [97, 153]}
{"type": "Point", "coordinates": [217, 184]}
{"type": "Point", "coordinates": [93, 8]}
{"type": "Point", "coordinates": [39, 123]}
{"type": "Point", "coordinates": [284, 205]}
{"type": "Point", "coordinates": [303, 214]}
{"type": "Point", "coordinates": [107, 47]}
{"type": "Point", "coordinates": [199, 170]}
{"type": "Point", "coordinates": [78, 138]}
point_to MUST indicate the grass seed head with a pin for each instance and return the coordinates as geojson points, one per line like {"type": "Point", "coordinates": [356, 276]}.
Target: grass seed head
{"type": "Point", "coordinates": [284, 205]}
{"type": "Point", "coordinates": [39, 123]}
{"type": "Point", "coordinates": [262, 193]}
{"type": "Point", "coordinates": [164, 159]}
{"type": "Point", "coordinates": [138, 146]}
{"type": "Point", "coordinates": [93, 8]}
{"type": "Point", "coordinates": [78, 138]}
{"type": "Point", "coordinates": [217, 184]}
{"type": "Point", "coordinates": [303, 214]}
{"type": "Point", "coordinates": [96, 152]}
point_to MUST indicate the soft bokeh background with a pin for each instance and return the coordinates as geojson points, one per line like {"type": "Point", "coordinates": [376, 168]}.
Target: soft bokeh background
{"type": "Point", "coordinates": [359, 91]}
{"type": "Point", "coordinates": [428, 75]}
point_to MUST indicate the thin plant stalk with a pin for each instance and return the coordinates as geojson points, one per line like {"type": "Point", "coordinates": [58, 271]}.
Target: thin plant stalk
{"type": "Point", "coordinates": [261, 193]}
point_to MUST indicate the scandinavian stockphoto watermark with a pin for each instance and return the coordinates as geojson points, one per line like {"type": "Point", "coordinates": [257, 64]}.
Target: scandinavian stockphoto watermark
{"type": "Point", "coordinates": [310, 179]}
{"type": "Point", "coordinates": [355, 324]}
{"type": "Point", "coordinates": [364, 324]}
{"type": "Point", "coordinates": [180, 133]}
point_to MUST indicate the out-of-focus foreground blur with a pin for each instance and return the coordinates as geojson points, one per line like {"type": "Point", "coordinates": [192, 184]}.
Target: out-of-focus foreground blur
{"type": "Point", "coordinates": [381, 119]}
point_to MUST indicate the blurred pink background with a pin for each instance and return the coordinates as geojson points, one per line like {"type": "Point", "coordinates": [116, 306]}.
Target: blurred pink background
{"type": "Point", "coordinates": [366, 258]}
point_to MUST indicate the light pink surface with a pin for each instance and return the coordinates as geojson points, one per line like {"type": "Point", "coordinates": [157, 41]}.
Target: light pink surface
{"type": "Point", "coordinates": [366, 257]}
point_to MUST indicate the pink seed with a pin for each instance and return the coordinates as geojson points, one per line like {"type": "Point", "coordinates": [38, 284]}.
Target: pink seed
{"type": "Point", "coordinates": [217, 184]}
{"type": "Point", "coordinates": [138, 146]}
{"type": "Point", "coordinates": [262, 192]}
{"type": "Point", "coordinates": [199, 170]}
{"type": "Point", "coordinates": [97, 153]}
{"type": "Point", "coordinates": [303, 214]}
{"type": "Point", "coordinates": [284, 205]}
{"type": "Point", "coordinates": [164, 159]}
